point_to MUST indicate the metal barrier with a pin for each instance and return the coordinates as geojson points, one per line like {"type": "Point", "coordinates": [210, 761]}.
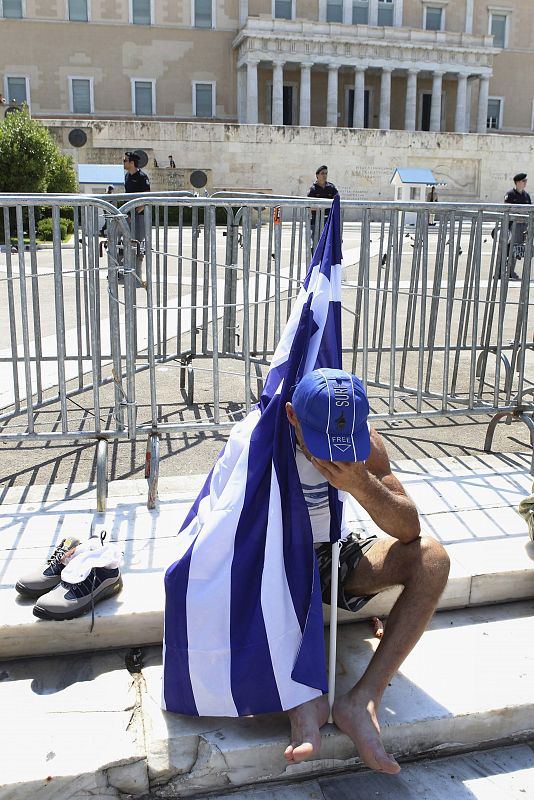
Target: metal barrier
{"type": "Point", "coordinates": [169, 324]}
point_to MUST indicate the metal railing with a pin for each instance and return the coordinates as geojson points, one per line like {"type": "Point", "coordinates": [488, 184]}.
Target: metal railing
{"type": "Point", "coordinates": [169, 323]}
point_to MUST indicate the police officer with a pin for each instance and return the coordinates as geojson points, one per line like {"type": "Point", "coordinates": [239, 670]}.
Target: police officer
{"type": "Point", "coordinates": [518, 196]}
{"type": "Point", "coordinates": [136, 181]}
{"type": "Point", "coordinates": [321, 189]}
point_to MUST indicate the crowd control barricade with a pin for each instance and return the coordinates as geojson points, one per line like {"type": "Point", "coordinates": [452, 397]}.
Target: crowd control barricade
{"type": "Point", "coordinates": [168, 324]}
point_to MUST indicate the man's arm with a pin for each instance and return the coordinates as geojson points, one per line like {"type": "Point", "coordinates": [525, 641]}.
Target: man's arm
{"type": "Point", "coordinates": [375, 487]}
{"type": "Point", "coordinates": [144, 186]}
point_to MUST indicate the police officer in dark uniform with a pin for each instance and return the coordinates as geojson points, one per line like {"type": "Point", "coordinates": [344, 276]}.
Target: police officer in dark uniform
{"type": "Point", "coordinates": [135, 182]}
{"type": "Point", "coordinates": [321, 189]}
{"type": "Point", "coordinates": [518, 196]}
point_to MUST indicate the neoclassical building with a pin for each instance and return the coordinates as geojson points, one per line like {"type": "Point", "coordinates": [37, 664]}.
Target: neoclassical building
{"type": "Point", "coordinates": [438, 65]}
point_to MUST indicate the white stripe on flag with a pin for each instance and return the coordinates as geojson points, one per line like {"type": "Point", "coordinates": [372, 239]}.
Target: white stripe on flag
{"type": "Point", "coordinates": [281, 623]}
{"type": "Point", "coordinates": [209, 585]}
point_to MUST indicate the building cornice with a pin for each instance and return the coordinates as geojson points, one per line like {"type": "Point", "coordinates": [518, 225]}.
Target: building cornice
{"type": "Point", "coordinates": [398, 48]}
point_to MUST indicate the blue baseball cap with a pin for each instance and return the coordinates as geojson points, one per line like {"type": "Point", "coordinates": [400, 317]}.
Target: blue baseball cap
{"type": "Point", "coordinates": [332, 408]}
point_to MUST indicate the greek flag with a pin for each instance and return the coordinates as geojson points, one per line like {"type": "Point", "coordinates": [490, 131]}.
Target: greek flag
{"type": "Point", "coordinates": [243, 613]}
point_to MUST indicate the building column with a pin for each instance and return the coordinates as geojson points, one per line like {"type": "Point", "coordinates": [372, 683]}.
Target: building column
{"type": "Point", "coordinates": [468, 104]}
{"type": "Point", "coordinates": [482, 112]}
{"type": "Point", "coordinates": [252, 92]}
{"type": "Point", "coordinates": [358, 119]}
{"type": "Point", "coordinates": [305, 94]}
{"type": "Point", "coordinates": [397, 14]}
{"type": "Point", "coordinates": [241, 94]}
{"type": "Point", "coordinates": [373, 12]}
{"type": "Point", "coordinates": [384, 119]}
{"type": "Point", "coordinates": [411, 100]}
{"type": "Point", "coordinates": [461, 104]}
{"type": "Point", "coordinates": [277, 111]}
{"type": "Point", "coordinates": [469, 16]}
{"type": "Point", "coordinates": [435, 105]}
{"type": "Point", "coordinates": [331, 97]}
{"type": "Point", "coordinates": [243, 12]}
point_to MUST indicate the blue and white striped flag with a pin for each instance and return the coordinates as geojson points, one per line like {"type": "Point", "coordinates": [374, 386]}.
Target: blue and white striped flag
{"type": "Point", "coordinates": [243, 614]}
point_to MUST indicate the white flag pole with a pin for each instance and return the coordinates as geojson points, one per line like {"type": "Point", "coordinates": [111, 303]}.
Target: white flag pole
{"type": "Point", "coordinates": [336, 546]}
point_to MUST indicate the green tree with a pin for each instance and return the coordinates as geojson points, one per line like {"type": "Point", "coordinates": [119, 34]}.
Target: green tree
{"type": "Point", "coordinates": [30, 160]}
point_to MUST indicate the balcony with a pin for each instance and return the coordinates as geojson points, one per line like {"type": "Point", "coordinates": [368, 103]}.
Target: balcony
{"type": "Point", "coordinates": [301, 39]}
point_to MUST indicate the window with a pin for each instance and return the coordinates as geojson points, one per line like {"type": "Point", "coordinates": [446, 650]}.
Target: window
{"type": "Point", "coordinates": [360, 12]}
{"type": "Point", "coordinates": [498, 29]}
{"type": "Point", "coordinates": [283, 9]}
{"type": "Point", "coordinates": [203, 99]}
{"type": "Point", "coordinates": [141, 12]}
{"type": "Point", "coordinates": [78, 11]}
{"type": "Point", "coordinates": [385, 12]}
{"type": "Point", "coordinates": [143, 98]}
{"type": "Point", "coordinates": [433, 18]}
{"type": "Point", "coordinates": [17, 90]}
{"type": "Point", "coordinates": [12, 9]}
{"type": "Point", "coordinates": [203, 13]}
{"type": "Point", "coordinates": [334, 11]}
{"type": "Point", "coordinates": [81, 95]}
{"type": "Point", "coordinates": [494, 120]}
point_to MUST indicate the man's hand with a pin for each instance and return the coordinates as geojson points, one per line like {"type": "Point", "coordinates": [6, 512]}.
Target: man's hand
{"type": "Point", "coordinates": [376, 489]}
{"type": "Point", "coordinates": [347, 476]}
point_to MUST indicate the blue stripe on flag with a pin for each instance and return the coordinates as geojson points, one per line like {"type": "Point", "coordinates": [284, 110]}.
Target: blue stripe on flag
{"type": "Point", "coordinates": [252, 671]}
{"type": "Point", "coordinates": [177, 688]}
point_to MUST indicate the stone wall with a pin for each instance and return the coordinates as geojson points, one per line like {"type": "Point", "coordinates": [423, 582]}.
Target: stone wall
{"type": "Point", "coordinates": [283, 160]}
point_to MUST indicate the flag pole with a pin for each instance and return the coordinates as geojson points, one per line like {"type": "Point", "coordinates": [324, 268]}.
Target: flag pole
{"type": "Point", "coordinates": [333, 627]}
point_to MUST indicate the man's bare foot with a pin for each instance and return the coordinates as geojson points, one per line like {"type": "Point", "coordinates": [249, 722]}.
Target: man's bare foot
{"type": "Point", "coordinates": [356, 716]}
{"type": "Point", "coordinates": [306, 720]}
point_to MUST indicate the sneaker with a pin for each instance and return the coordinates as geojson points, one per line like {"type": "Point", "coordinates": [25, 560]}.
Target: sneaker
{"type": "Point", "coordinates": [70, 600]}
{"type": "Point", "coordinates": [514, 277]}
{"type": "Point", "coordinates": [44, 579]}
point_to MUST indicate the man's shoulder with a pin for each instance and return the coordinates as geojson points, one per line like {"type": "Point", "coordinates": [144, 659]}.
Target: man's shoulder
{"type": "Point", "coordinates": [312, 190]}
{"type": "Point", "coordinates": [511, 196]}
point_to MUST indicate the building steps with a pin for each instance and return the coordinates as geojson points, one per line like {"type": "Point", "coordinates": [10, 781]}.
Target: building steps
{"type": "Point", "coordinates": [468, 504]}
{"type": "Point", "coordinates": [82, 725]}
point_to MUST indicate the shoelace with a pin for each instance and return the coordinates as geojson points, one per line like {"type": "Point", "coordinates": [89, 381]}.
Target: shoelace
{"type": "Point", "coordinates": [58, 554]}
{"type": "Point", "coordinates": [78, 589]}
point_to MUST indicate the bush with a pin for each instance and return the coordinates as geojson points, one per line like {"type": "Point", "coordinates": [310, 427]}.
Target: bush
{"type": "Point", "coordinates": [30, 161]}
{"type": "Point", "coordinates": [45, 229]}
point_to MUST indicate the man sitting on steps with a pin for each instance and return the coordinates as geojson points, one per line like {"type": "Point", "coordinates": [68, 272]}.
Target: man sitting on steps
{"type": "Point", "coordinates": [418, 564]}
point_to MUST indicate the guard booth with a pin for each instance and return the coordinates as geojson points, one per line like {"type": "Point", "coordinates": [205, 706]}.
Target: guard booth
{"type": "Point", "coordinates": [95, 178]}
{"type": "Point", "coordinates": [412, 183]}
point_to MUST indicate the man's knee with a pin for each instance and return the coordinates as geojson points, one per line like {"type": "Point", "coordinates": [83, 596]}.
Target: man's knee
{"type": "Point", "coordinates": [432, 563]}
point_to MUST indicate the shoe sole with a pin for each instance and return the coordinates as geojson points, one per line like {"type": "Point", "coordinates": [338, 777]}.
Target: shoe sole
{"type": "Point", "coordinates": [34, 594]}
{"type": "Point", "coordinates": [109, 591]}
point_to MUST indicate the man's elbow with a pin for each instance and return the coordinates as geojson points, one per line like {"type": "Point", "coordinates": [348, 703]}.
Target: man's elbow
{"type": "Point", "coordinates": [410, 532]}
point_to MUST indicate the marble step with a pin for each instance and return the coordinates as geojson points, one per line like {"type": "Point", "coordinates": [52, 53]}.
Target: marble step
{"type": "Point", "coordinates": [503, 773]}
{"type": "Point", "coordinates": [468, 504]}
{"type": "Point", "coordinates": [96, 730]}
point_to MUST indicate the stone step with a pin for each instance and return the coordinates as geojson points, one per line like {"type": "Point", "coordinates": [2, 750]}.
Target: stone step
{"type": "Point", "coordinates": [504, 773]}
{"type": "Point", "coordinates": [468, 504]}
{"type": "Point", "coordinates": [97, 731]}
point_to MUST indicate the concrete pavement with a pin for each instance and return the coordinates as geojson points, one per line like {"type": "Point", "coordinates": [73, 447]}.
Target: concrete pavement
{"type": "Point", "coordinates": [82, 710]}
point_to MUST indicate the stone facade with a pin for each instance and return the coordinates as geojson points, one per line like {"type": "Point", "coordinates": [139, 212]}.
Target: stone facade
{"type": "Point", "coordinates": [474, 167]}
{"type": "Point", "coordinates": [388, 64]}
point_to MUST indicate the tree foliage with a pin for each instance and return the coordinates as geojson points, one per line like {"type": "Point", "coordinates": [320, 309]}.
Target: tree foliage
{"type": "Point", "coordinates": [30, 160]}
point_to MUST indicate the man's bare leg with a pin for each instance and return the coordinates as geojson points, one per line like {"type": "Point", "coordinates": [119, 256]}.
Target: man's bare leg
{"type": "Point", "coordinates": [306, 720]}
{"type": "Point", "coordinates": [422, 568]}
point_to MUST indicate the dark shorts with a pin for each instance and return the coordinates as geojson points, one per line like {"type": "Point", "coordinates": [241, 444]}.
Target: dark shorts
{"type": "Point", "coordinates": [352, 550]}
